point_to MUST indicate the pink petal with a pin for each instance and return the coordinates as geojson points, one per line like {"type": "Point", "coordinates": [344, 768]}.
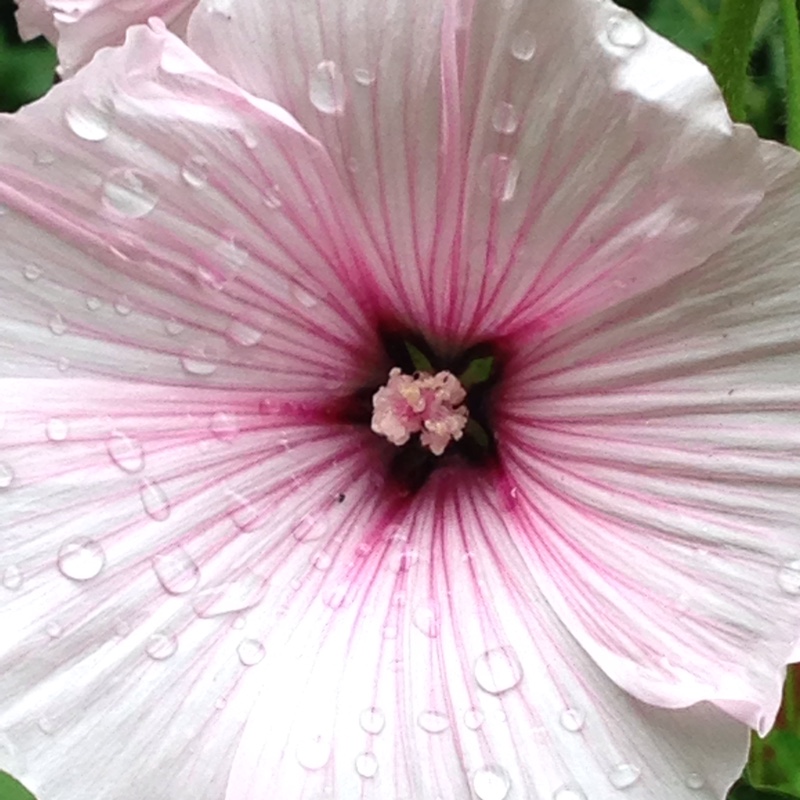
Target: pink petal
{"type": "Point", "coordinates": [442, 673]}
{"type": "Point", "coordinates": [535, 162]}
{"type": "Point", "coordinates": [655, 451]}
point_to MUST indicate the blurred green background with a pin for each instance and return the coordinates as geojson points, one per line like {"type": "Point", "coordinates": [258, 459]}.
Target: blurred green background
{"type": "Point", "coordinates": [27, 71]}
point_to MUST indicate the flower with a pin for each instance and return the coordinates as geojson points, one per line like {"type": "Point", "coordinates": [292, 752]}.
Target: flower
{"type": "Point", "coordinates": [218, 581]}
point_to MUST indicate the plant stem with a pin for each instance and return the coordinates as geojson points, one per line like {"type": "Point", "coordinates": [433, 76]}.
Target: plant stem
{"type": "Point", "coordinates": [791, 46]}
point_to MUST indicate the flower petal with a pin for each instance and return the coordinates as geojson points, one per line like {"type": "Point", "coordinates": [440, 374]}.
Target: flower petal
{"type": "Point", "coordinates": [518, 165]}
{"type": "Point", "coordinates": [663, 437]}
{"type": "Point", "coordinates": [444, 674]}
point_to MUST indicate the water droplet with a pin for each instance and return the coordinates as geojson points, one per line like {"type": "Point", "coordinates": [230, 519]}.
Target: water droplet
{"type": "Point", "coordinates": [569, 792]}
{"type": "Point", "coordinates": [473, 718]}
{"type": "Point", "coordinates": [303, 295]}
{"type": "Point", "coordinates": [625, 30]}
{"type": "Point", "coordinates": [310, 528]}
{"type": "Point", "coordinates": [366, 765]}
{"type": "Point", "coordinates": [154, 500]}
{"type": "Point", "coordinates": [198, 366]}
{"type": "Point", "coordinates": [126, 452]}
{"type": "Point", "coordinates": [491, 783]}
{"type": "Point", "coordinates": [242, 334]}
{"type": "Point", "coordinates": [129, 193]}
{"type": "Point", "coordinates": [695, 781]}
{"type": "Point", "coordinates": [523, 45]}
{"type": "Point", "coordinates": [498, 176]}
{"type": "Point", "coordinates": [224, 426]}
{"type": "Point", "coordinates": [161, 646]}
{"type": "Point", "coordinates": [364, 76]}
{"type": "Point", "coordinates": [498, 670]}
{"type": "Point", "coordinates": [13, 578]}
{"type": "Point", "coordinates": [57, 325]}
{"type": "Point", "coordinates": [789, 577]}
{"type": "Point", "coordinates": [313, 752]}
{"type": "Point", "coordinates": [426, 621]}
{"type": "Point", "coordinates": [572, 719]}
{"type": "Point", "coordinates": [326, 88]}
{"type": "Point", "coordinates": [63, 364]}
{"type": "Point", "coordinates": [173, 327]}
{"type": "Point", "coordinates": [32, 272]}
{"type": "Point", "coordinates": [232, 597]}
{"type": "Point", "coordinates": [56, 429]}
{"type": "Point", "coordinates": [232, 252]}
{"type": "Point", "coordinates": [6, 475]}
{"type": "Point", "coordinates": [90, 118]}
{"type": "Point", "coordinates": [122, 305]}
{"type": "Point", "coordinates": [624, 775]}
{"type": "Point", "coordinates": [176, 571]}
{"type": "Point", "coordinates": [372, 720]}
{"type": "Point", "coordinates": [251, 652]}
{"type": "Point", "coordinates": [403, 560]}
{"type": "Point", "coordinates": [44, 158]}
{"type": "Point", "coordinates": [433, 722]}
{"type": "Point", "coordinates": [505, 118]}
{"type": "Point", "coordinates": [46, 725]}
{"type": "Point", "coordinates": [242, 511]}
{"type": "Point", "coordinates": [272, 197]}
{"type": "Point", "coordinates": [54, 630]}
{"type": "Point", "coordinates": [81, 559]}
{"type": "Point", "coordinates": [93, 303]}
{"type": "Point", "coordinates": [321, 560]}
{"type": "Point", "coordinates": [195, 171]}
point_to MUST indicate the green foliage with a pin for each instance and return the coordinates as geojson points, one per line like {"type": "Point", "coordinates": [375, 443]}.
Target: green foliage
{"type": "Point", "coordinates": [13, 790]}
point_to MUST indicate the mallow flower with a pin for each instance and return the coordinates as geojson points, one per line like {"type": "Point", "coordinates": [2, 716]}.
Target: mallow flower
{"type": "Point", "coordinates": [399, 400]}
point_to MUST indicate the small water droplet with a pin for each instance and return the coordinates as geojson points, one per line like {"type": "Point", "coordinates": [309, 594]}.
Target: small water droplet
{"type": "Point", "coordinates": [326, 88]}
{"type": "Point", "coordinates": [789, 577]}
{"type": "Point", "coordinates": [372, 720]}
{"type": "Point", "coordinates": [57, 325]}
{"type": "Point", "coordinates": [498, 176]}
{"type": "Point", "coordinates": [624, 775]}
{"type": "Point", "coordinates": [196, 365]}
{"type": "Point", "coordinates": [90, 118]}
{"type": "Point", "coordinates": [44, 158]}
{"type": "Point", "coordinates": [272, 197]}
{"type": "Point", "coordinates": [242, 511]}
{"type": "Point", "coordinates": [13, 578]}
{"type": "Point", "coordinates": [505, 118]}
{"type": "Point", "coordinates": [154, 500]}
{"type": "Point", "coordinates": [310, 528]}
{"type": "Point", "coordinates": [224, 426]}
{"type": "Point", "coordinates": [625, 30]}
{"type": "Point", "coordinates": [173, 327]}
{"type": "Point", "coordinates": [81, 559]}
{"type": "Point", "coordinates": [56, 429]}
{"type": "Point", "coordinates": [569, 792]}
{"type": "Point", "coordinates": [303, 296]}
{"type": "Point", "coordinates": [403, 560]}
{"type": "Point", "coordinates": [491, 783]}
{"type": "Point", "coordinates": [195, 171]}
{"type": "Point", "coordinates": [572, 719]}
{"type": "Point", "coordinates": [473, 718]}
{"type": "Point", "coordinates": [161, 646]}
{"type": "Point", "coordinates": [6, 475]}
{"type": "Point", "coordinates": [426, 620]}
{"type": "Point", "coordinates": [129, 193]}
{"type": "Point", "coordinates": [251, 652]}
{"type": "Point", "coordinates": [122, 305]}
{"type": "Point", "coordinates": [232, 597]}
{"type": "Point", "coordinates": [433, 722]}
{"type": "Point", "coordinates": [366, 765]}
{"type": "Point", "coordinates": [313, 752]}
{"type": "Point", "coordinates": [321, 560]}
{"type": "Point", "coordinates": [695, 781]}
{"type": "Point", "coordinates": [364, 76]}
{"type": "Point", "coordinates": [63, 364]}
{"type": "Point", "coordinates": [231, 250]}
{"type": "Point", "coordinates": [498, 670]}
{"type": "Point", "coordinates": [54, 630]}
{"type": "Point", "coordinates": [32, 272]}
{"type": "Point", "coordinates": [93, 303]}
{"type": "Point", "coordinates": [46, 725]}
{"type": "Point", "coordinates": [523, 45]}
{"type": "Point", "coordinates": [126, 452]}
{"type": "Point", "coordinates": [176, 571]}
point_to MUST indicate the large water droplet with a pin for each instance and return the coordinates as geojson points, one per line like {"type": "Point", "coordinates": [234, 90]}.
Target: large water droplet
{"type": "Point", "coordinates": [313, 752]}
{"type": "Point", "coordinates": [491, 783]}
{"type": "Point", "coordinates": [195, 171]}
{"type": "Point", "coordinates": [433, 721]}
{"type": "Point", "coordinates": [789, 577]}
{"type": "Point", "coordinates": [498, 670]}
{"type": "Point", "coordinates": [12, 578]}
{"type": "Point", "coordinates": [505, 118]}
{"type": "Point", "coordinates": [161, 646]}
{"type": "Point", "coordinates": [572, 719]}
{"type": "Point", "coordinates": [176, 571]}
{"type": "Point", "coordinates": [126, 452]}
{"type": "Point", "coordinates": [251, 652]}
{"type": "Point", "coordinates": [224, 426]}
{"type": "Point", "coordinates": [624, 775]}
{"type": "Point", "coordinates": [129, 193]}
{"type": "Point", "coordinates": [81, 559]}
{"type": "Point", "coordinates": [366, 765]}
{"type": "Point", "coordinates": [90, 118]}
{"type": "Point", "coordinates": [625, 30]}
{"type": "Point", "coordinates": [569, 792]}
{"type": "Point", "coordinates": [6, 475]}
{"type": "Point", "coordinates": [498, 176]}
{"type": "Point", "coordinates": [372, 720]}
{"type": "Point", "coordinates": [154, 500]}
{"type": "Point", "coordinates": [523, 45]}
{"type": "Point", "coordinates": [310, 528]}
{"type": "Point", "coordinates": [326, 88]}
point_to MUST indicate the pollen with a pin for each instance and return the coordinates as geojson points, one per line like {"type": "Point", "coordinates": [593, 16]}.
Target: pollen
{"type": "Point", "coordinates": [430, 405]}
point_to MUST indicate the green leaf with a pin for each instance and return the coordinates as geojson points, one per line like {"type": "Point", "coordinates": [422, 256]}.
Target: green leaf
{"type": "Point", "coordinates": [479, 371]}
{"type": "Point", "coordinates": [744, 791]}
{"type": "Point", "coordinates": [476, 432]}
{"type": "Point", "coordinates": [11, 789]}
{"type": "Point", "coordinates": [419, 359]}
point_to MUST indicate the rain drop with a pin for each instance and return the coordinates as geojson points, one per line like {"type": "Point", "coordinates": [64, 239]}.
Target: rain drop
{"type": "Point", "coordinates": [310, 528]}
{"type": "Point", "coordinates": [242, 511]}
{"type": "Point", "coordinates": [129, 193]}
{"type": "Point", "coordinates": [624, 775]}
{"type": "Point", "coordinates": [161, 646]}
{"type": "Point", "coordinates": [473, 718]}
{"type": "Point", "coordinates": [93, 303]}
{"type": "Point", "coordinates": [198, 366]}
{"type": "Point", "coordinates": [303, 296]}
{"type": "Point", "coordinates": [63, 364]}
{"type": "Point", "coordinates": [224, 426]}
{"type": "Point", "coordinates": [195, 171]}
{"type": "Point", "coordinates": [6, 475]}
{"type": "Point", "coordinates": [90, 118]}
{"type": "Point", "coordinates": [363, 76]}
{"type": "Point", "coordinates": [505, 118]}
{"type": "Point", "coordinates": [433, 722]}
{"type": "Point", "coordinates": [321, 561]}
{"type": "Point", "coordinates": [498, 176]}
{"type": "Point", "coordinates": [695, 781]}
{"type": "Point", "coordinates": [569, 793]}
{"type": "Point", "coordinates": [326, 88]}
{"type": "Point", "coordinates": [154, 501]}
{"type": "Point", "coordinates": [32, 272]}
{"type": "Point", "coordinates": [232, 252]}
{"type": "Point", "coordinates": [57, 325]}
{"type": "Point", "coordinates": [272, 197]}
{"type": "Point", "coordinates": [12, 578]}
{"type": "Point", "coordinates": [426, 621]}
{"type": "Point", "coordinates": [242, 334]}
{"type": "Point", "coordinates": [491, 783]}
{"type": "Point", "coordinates": [123, 306]}
{"type": "Point", "coordinates": [126, 452]}
{"type": "Point", "coordinates": [789, 577]}
{"type": "Point", "coordinates": [624, 30]}
{"type": "Point", "coordinates": [251, 652]}
{"type": "Point", "coordinates": [572, 719]}
{"type": "Point", "coordinates": [242, 593]}
{"type": "Point", "coordinates": [173, 327]}
{"type": "Point", "coordinates": [81, 559]}
{"type": "Point", "coordinates": [372, 720]}
{"type": "Point", "coordinates": [44, 158]}
{"type": "Point", "coordinates": [523, 45]}
{"type": "Point", "coordinates": [498, 670]}
{"type": "Point", "coordinates": [54, 630]}
{"type": "Point", "coordinates": [56, 429]}
{"type": "Point", "coordinates": [176, 571]}
{"type": "Point", "coordinates": [313, 753]}
{"type": "Point", "coordinates": [367, 765]}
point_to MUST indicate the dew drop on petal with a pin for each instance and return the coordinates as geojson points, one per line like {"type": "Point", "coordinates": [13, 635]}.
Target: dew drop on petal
{"type": "Point", "coordinates": [122, 305]}
{"type": "Point", "coordinates": [224, 426]}
{"type": "Point", "coordinates": [505, 118]}
{"type": "Point", "coordinates": [326, 88]}
{"type": "Point", "coordinates": [473, 718]}
{"type": "Point", "coordinates": [624, 775]}
{"type": "Point", "coordinates": [498, 670]}
{"type": "Point", "coordinates": [173, 327]}
{"type": "Point", "coordinates": [155, 501]}
{"type": "Point", "coordinates": [372, 720]}
{"type": "Point", "coordinates": [491, 783]}
{"type": "Point", "coordinates": [572, 719]}
{"type": "Point", "coordinates": [63, 364]}
{"type": "Point", "coordinates": [57, 325]}
{"type": "Point", "coordinates": [310, 528]}
{"type": "Point", "coordinates": [54, 630]}
{"type": "Point", "coordinates": [523, 45]}
{"type": "Point", "coordinates": [364, 76]}
{"type": "Point", "coordinates": [6, 475]}
{"type": "Point", "coordinates": [198, 366]}
{"type": "Point", "coordinates": [245, 335]}
{"type": "Point", "coordinates": [272, 197]}
{"type": "Point", "coordinates": [321, 560]}
{"type": "Point", "coordinates": [126, 452]}
{"type": "Point", "coordinates": [231, 597]}
{"type": "Point", "coordinates": [161, 646]}
{"type": "Point", "coordinates": [195, 171]}
{"type": "Point", "coordinates": [93, 303]}
{"type": "Point", "coordinates": [433, 722]}
{"type": "Point", "coordinates": [12, 578]}
{"type": "Point", "coordinates": [81, 559]}
{"type": "Point", "coordinates": [789, 577]}
{"type": "Point", "coordinates": [303, 296]}
{"type": "Point", "coordinates": [625, 30]}
{"type": "Point", "coordinates": [56, 429]}
{"type": "Point", "coordinates": [366, 765]}
{"type": "Point", "coordinates": [32, 272]}
{"type": "Point", "coordinates": [313, 752]}
{"type": "Point", "coordinates": [90, 118]}
{"type": "Point", "coordinates": [498, 176]}
{"type": "Point", "coordinates": [569, 792]}
{"type": "Point", "coordinates": [242, 511]}
{"type": "Point", "coordinates": [44, 158]}
{"type": "Point", "coordinates": [426, 621]}
{"type": "Point", "coordinates": [251, 652]}
{"type": "Point", "coordinates": [695, 781]}
{"type": "Point", "coordinates": [129, 193]}
{"type": "Point", "coordinates": [176, 571]}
